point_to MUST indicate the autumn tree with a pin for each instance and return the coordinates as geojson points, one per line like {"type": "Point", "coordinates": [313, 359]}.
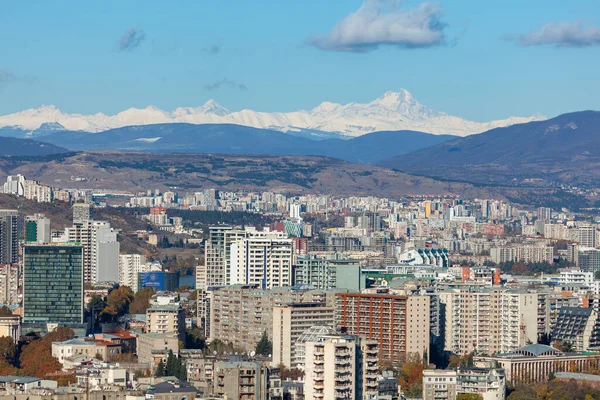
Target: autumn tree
{"type": "Point", "coordinates": [8, 349]}
{"type": "Point", "coordinates": [141, 301]}
{"type": "Point", "coordinates": [5, 312]}
{"type": "Point", "coordinates": [117, 302]}
{"type": "Point", "coordinates": [36, 357]}
{"type": "Point", "coordinates": [411, 376]}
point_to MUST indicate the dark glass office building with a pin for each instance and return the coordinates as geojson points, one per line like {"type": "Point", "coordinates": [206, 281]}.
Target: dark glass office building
{"type": "Point", "coordinates": [53, 284]}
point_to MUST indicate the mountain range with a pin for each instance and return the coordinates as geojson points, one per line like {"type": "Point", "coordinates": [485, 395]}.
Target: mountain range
{"type": "Point", "coordinates": [393, 111]}
{"type": "Point", "coordinates": [560, 150]}
{"type": "Point", "coordinates": [13, 147]}
{"type": "Point", "coordinates": [236, 139]}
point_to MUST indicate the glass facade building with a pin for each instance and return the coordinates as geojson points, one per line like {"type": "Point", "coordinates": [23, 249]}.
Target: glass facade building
{"type": "Point", "coordinates": [53, 284]}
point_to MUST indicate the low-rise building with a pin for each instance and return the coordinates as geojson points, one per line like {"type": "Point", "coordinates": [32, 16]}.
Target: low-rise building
{"type": "Point", "coordinates": [154, 347]}
{"type": "Point", "coordinates": [439, 384]}
{"type": "Point", "coordinates": [98, 349]}
{"type": "Point", "coordinates": [536, 362]}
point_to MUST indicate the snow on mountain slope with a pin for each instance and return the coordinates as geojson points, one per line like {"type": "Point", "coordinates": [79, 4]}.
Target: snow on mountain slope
{"type": "Point", "coordinates": [392, 111]}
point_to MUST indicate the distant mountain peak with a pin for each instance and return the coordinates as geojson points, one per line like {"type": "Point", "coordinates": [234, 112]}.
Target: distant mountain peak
{"type": "Point", "coordinates": [398, 110]}
{"type": "Point", "coordinates": [212, 107]}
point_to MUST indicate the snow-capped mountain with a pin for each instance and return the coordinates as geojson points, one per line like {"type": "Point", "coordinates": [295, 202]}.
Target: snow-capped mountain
{"type": "Point", "coordinates": [392, 111]}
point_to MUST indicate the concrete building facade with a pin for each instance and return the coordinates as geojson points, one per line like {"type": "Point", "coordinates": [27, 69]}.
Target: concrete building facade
{"type": "Point", "coordinates": [400, 324]}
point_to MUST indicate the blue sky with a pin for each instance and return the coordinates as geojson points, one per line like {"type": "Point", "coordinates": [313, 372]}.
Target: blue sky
{"type": "Point", "coordinates": [490, 59]}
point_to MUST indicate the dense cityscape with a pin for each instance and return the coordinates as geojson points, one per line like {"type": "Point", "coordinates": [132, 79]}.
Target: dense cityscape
{"type": "Point", "coordinates": [299, 200]}
{"type": "Point", "coordinates": [272, 296]}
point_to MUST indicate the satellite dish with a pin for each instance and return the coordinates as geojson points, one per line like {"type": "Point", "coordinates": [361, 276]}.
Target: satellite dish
{"type": "Point", "coordinates": [214, 353]}
{"type": "Point", "coordinates": [252, 353]}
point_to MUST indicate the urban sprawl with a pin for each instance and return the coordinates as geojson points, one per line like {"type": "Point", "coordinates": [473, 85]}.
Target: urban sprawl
{"type": "Point", "coordinates": [263, 295]}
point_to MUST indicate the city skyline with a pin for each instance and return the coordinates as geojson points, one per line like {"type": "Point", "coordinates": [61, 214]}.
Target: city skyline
{"type": "Point", "coordinates": [477, 61]}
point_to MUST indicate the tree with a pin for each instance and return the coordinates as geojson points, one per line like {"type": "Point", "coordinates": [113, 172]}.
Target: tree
{"type": "Point", "coordinates": [194, 339]}
{"type": "Point", "coordinates": [5, 312]}
{"type": "Point", "coordinates": [117, 302]}
{"type": "Point", "coordinates": [97, 303]}
{"type": "Point", "coordinates": [411, 376]}
{"type": "Point", "coordinates": [564, 346]}
{"type": "Point", "coordinates": [469, 396]}
{"type": "Point", "coordinates": [264, 347]}
{"type": "Point", "coordinates": [160, 370]}
{"type": "Point", "coordinates": [36, 357]}
{"type": "Point", "coordinates": [8, 349]}
{"type": "Point", "coordinates": [141, 301]}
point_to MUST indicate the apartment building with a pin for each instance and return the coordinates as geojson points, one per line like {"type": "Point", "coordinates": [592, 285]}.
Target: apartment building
{"type": "Point", "coordinates": [241, 380]}
{"type": "Point", "coordinates": [216, 269]}
{"type": "Point", "coordinates": [100, 249]}
{"type": "Point", "coordinates": [239, 314]}
{"type": "Point", "coordinates": [289, 323]}
{"type": "Point", "coordinates": [341, 367]}
{"type": "Point", "coordinates": [439, 384]}
{"type": "Point", "coordinates": [588, 259]}
{"type": "Point", "coordinates": [489, 320]}
{"type": "Point", "coordinates": [130, 265]}
{"type": "Point", "coordinates": [534, 254]}
{"type": "Point", "coordinates": [400, 324]}
{"type": "Point", "coordinates": [9, 284]}
{"type": "Point", "coordinates": [166, 319]}
{"type": "Point", "coordinates": [578, 326]}
{"type": "Point", "coordinates": [263, 258]}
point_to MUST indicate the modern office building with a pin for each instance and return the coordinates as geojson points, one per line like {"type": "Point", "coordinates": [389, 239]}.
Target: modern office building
{"type": "Point", "coordinates": [341, 367]}
{"type": "Point", "coordinates": [400, 324]}
{"type": "Point", "coordinates": [53, 284]}
{"type": "Point", "coordinates": [37, 229]}
{"type": "Point", "coordinates": [289, 323]}
{"type": "Point", "coordinates": [240, 314]}
{"type": "Point", "coordinates": [489, 320]}
{"type": "Point", "coordinates": [9, 236]}
{"type": "Point", "coordinates": [330, 272]}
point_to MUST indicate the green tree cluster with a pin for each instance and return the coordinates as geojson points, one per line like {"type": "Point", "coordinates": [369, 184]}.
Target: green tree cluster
{"type": "Point", "coordinates": [174, 367]}
{"type": "Point", "coordinates": [264, 347]}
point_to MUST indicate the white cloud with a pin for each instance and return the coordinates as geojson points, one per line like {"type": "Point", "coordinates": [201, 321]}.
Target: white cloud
{"type": "Point", "coordinates": [379, 22]}
{"type": "Point", "coordinates": [561, 34]}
